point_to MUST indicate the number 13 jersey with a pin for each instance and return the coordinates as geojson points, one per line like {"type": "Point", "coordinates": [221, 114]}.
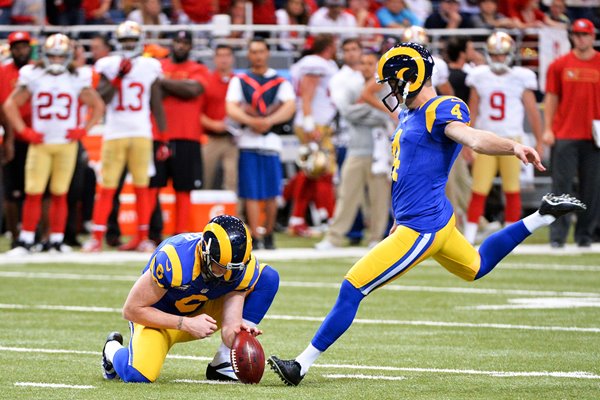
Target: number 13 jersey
{"type": "Point", "coordinates": [501, 107]}
{"type": "Point", "coordinates": [128, 114]}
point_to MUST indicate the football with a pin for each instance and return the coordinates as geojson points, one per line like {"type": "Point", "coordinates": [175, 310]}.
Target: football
{"type": "Point", "coordinates": [247, 358]}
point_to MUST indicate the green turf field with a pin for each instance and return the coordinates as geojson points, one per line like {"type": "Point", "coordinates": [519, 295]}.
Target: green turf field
{"type": "Point", "coordinates": [530, 330]}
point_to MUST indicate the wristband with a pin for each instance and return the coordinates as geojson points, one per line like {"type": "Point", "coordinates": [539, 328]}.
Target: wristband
{"type": "Point", "coordinates": [116, 82]}
{"type": "Point", "coordinates": [308, 123]}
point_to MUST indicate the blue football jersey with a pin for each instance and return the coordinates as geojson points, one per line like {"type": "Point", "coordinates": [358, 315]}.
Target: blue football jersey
{"type": "Point", "coordinates": [422, 158]}
{"type": "Point", "coordinates": [175, 266]}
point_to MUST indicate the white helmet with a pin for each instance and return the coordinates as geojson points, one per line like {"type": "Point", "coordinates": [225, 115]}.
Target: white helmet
{"type": "Point", "coordinates": [57, 45]}
{"type": "Point", "coordinates": [313, 160]}
{"type": "Point", "coordinates": [415, 34]}
{"type": "Point", "coordinates": [500, 43]}
{"type": "Point", "coordinates": [129, 31]}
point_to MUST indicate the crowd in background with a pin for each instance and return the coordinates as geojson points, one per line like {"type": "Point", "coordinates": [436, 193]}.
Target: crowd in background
{"type": "Point", "coordinates": [342, 173]}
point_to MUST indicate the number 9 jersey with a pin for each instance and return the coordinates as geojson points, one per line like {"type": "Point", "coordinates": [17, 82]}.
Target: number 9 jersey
{"type": "Point", "coordinates": [128, 114]}
{"type": "Point", "coordinates": [54, 99]}
{"type": "Point", "coordinates": [501, 107]}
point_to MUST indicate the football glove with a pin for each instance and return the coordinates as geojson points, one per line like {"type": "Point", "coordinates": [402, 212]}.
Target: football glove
{"type": "Point", "coordinates": [76, 134]}
{"type": "Point", "coordinates": [162, 152]}
{"type": "Point", "coordinates": [32, 136]}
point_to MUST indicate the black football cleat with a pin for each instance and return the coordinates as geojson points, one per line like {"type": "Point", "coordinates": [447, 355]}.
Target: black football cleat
{"type": "Point", "coordinates": [221, 372]}
{"type": "Point", "coordinates": [557, 206]}
{"type": "Point", "coordinates": [108, 370]}
{"type": "Point", "coordinates": [288, 370]}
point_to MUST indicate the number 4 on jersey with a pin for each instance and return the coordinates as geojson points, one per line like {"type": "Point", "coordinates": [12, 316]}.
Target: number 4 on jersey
{"type": "Point", "coordinates": [456, 111]}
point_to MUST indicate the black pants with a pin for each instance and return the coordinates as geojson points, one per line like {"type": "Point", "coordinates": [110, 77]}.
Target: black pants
{"type": "Point", "coordinates": [581, 159]}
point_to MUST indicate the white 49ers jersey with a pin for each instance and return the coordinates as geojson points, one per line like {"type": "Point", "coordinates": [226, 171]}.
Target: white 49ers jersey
{"type": "Point", "coordinates": [501, 107]}
{"type": "Point", "coordinates": [323, 110]}
{"type": "Point", "coordinates": [54, 99]}
{"type": "Point", "coordinates": [128, 114]}
{"type": "Point", "coordinates": [440, 73]}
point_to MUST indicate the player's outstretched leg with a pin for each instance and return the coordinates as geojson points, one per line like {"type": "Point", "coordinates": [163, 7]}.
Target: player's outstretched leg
{"type": "Point", "coordinates": [288, 370]}
{"type": "Point", "coordinates": [501, 243]}
{"type": "Point", "coordinates": [335, 324]}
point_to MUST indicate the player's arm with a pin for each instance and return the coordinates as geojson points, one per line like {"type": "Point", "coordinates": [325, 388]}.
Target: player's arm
{"type": "Point", "coordinates": [156, 106]}
{"type": "Point", "coordinates": [486, 142]}
{"type": "Point", "coordinates": [92, 99]}
{"type": "Point", "coordinates": [138, 308]}
{"type": "Point", "coordinates": [19, 96]}
{"type": "Point", "coordinates": [213, 125]}
{"type": "Point", "coordinates": [308, 86]}
{"type": "Point", "coordinates": [534, 118]}
{"type": "Point", "coordinates": [283, 113]}
{"type": "Point", "coordinates": [106, 89]}
{"type": "Point", "coordinates": [8, 140]}
{"type": "Point", "coordinates": [233, 306]}
{"type": "Point", "coordinates": [181, 88]}
{"type": "Point", "coordinates": [550, 107]}
{"type": "Point", "coordinates": [445, 89]}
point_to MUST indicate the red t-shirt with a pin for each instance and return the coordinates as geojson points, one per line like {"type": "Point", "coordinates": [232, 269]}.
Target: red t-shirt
{"type": "Point", "coordinates": [213, 105]}
{"type": "Point", "coordinates": [183, 115]}
{"type": "Point", "coordinates": [10, 74]}
{"type": "Point", "coordinates": [199, 11]}
{"type": "Point", "coordinates": [577, 84]}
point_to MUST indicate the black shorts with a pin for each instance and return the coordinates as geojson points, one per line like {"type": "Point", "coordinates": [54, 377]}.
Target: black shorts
{"type": "Point", "coordinates": [14, 173]}
{"type": "Point", "coordinates": [184, 166]}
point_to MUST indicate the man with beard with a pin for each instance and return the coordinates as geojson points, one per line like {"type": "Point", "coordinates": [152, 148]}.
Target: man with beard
{"type": "Point", "coordinates": [14, 146]}
{"type": "Point", "coordinates": [184, 81]}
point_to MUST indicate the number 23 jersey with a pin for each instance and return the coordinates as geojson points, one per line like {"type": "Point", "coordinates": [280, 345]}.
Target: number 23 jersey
{"type": "Point", "coordinates": [54, 99]}
{"type": "Point", "coordinates": [128, 114]}
{"type": "Point", "coordinates": [501, 107]}
{"type": "Point", "coordinates": [175, 266]}
{"type": "Point", "coordinates": [422, 158]}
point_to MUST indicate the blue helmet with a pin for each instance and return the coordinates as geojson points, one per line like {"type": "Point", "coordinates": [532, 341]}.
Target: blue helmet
{"type": "Point", "coordinates": [227, 243]}
{"type": "Point", "coordinates": [406, 67]}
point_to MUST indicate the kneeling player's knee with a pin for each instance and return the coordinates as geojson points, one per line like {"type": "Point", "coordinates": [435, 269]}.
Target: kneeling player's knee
{"type": "Point", "coordinates": [269, 279]}
{"type": "Point", "coordinates": [257, 303]}
{"type": "Point", "coordinates": [132, 375]}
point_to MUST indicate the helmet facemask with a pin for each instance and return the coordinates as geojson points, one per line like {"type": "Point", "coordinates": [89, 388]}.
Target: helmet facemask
{"type": "Point", "coordinates": [229, 271]}
{"type": "Point", "coordinates": [500, 43]}
{"type": "Point", "coordinates": [406, 67]}
{"type": "Point", "coordinates": [57, 45]}
{"type": "Point", "coordinates": [129, 39]}
{"type": "Point", "coordinates": [225, 250]}
{"type": "Point", "coordinates": [399, 88]}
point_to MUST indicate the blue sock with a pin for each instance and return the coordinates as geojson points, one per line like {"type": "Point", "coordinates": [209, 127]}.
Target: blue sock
{"type": "Point", "coordinates": [125, 371]}
{"type": "Point", "coordinates": [257, 303]}
{"type": "Point", "coordinates": [499, 245]}
{"type": "Point", "coordinates": [339, 318]}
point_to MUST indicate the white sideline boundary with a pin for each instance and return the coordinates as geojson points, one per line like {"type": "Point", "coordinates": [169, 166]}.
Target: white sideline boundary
{"type": "Point", "coordinates": [314, 285]}
{"type": "Point", "coordinates": [499, 374]}
{"type": "Point", "coordinates": [112, 257]}
{"type": "Point", "coordinates": [439, 324]}
{"type": "Point", "coordinates": [54, 385]}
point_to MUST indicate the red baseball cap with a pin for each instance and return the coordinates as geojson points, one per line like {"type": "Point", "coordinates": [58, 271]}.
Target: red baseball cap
{"type": "Point", "coordinates": [583, 25]}
{"type": "Point", "coordinates": [19, 36]}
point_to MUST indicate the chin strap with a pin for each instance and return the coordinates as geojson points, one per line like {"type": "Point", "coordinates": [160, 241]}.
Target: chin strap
{"type": "Point", "coordinates": [405, 92]}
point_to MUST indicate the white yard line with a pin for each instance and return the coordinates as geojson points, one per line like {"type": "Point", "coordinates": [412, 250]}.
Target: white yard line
{"type": "Point", "coordinates": [361, 376]}
{"type": "Point", "coordinates": [112, 257]}
{"type": "Point", "coordinates": [312, 285]}
{"type": "Point", "coordinates": [320, 319]}
{"type": "Point", "coordinates": [54, 385]}
{"type": "Point", "coordinates": [205, 382]}
{"type": "Point", "coordinates": [553, 374]}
